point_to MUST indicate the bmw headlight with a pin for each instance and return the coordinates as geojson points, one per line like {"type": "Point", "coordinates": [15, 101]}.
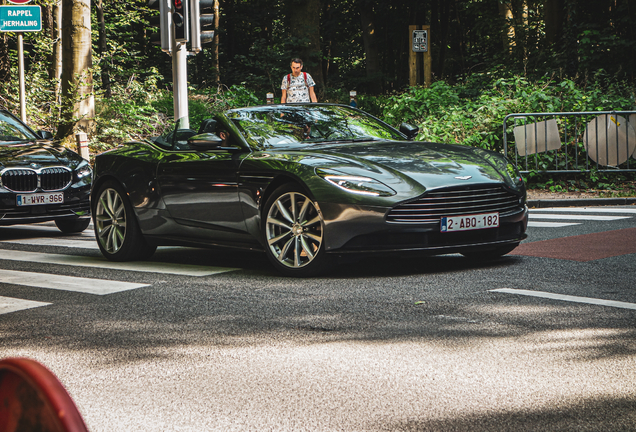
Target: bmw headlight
{"type": "Point", "coordinates": [356, 184]}
{"type": "Point", "coordinates": [83, 170]}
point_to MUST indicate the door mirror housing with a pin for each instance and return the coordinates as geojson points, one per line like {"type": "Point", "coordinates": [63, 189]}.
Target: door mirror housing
{"type": "Point", "coordinates": [409, 130]}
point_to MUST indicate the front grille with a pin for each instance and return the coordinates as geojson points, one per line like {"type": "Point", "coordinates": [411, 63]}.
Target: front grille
{"type": "Point", "coordinates": [55, 178]}
{"type": "Point", "coordinates": [30, 180]}
{"type": "Point", "coordinates": [433, 205]}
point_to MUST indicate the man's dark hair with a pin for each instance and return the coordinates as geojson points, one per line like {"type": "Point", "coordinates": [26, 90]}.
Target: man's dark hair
{"type": "Point", "coordinates": [296, 60]}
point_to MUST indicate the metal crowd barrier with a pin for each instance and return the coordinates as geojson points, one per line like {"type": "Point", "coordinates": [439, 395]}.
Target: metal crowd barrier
{"type": "Point", "coordinates": [571, 142]}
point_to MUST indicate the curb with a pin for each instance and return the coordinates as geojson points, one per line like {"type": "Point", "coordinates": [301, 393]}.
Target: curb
{"type": "Point", "coordinates": [580, 202]}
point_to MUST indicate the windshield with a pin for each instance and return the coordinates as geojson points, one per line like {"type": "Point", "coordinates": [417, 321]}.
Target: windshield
{"type": "Point", "coordinates": [296, 126]}
{"type": "Point", "coordinates": [12, 130]}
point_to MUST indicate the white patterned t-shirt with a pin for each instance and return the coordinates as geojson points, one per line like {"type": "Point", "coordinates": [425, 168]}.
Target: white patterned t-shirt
{"type": "Point", "coordinates": [297, 90]}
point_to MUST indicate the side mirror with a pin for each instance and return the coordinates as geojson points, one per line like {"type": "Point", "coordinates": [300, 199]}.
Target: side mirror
{"type": "Point", "coordinates": [45, 135]}
{"type": "Point", "coordinates": [205, 141]}
{"type": "Point", "coordinates": [409, 130]}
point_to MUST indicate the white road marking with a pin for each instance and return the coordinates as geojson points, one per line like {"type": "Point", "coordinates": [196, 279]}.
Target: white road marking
{"type": "Point", "coordinates": [140, 266]}
{"type": "Point", "coordinates": [537, 224]}
{"type": "Point", "coordinates": [56, 241]}
{"type": "Point", "coordinates": [67, 283]}
{"type": "Point", "coordinates": [577, 217]}
{"type": "Point", "coordinates": [49, 227]}
{"type": "Point", "coordinates": [575, 299]}
{"type": "Point", "coordinates": [8, 304]}
{"type": "Point", "coordinates": [585, 210]}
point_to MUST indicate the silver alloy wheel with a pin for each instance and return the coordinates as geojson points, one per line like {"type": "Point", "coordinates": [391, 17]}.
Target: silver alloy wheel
{"type": "Point", "coordinates": [294, 230]}
{"type": "Point", "coordinates": [110, 221]}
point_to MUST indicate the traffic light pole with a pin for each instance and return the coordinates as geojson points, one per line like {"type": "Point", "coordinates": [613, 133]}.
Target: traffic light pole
{"type": "Point", "coordinates": [180, 85]}
{"type": "Point", "coordinates": [180, 22]}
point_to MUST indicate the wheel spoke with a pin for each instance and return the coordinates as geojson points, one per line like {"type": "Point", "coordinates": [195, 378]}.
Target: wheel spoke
{"type": "Point", "coordinates": [283, 211]}
{"type": "Point", "coordinates": [303, 211]}
{"type": "Point", "coordinates": [306, 248]}
{"type": "Point", "coordinates": [285, 250]}
{"type": "Point", "coordinates": [278, 238]}
{"type": "Point", "coordinates": [314, 221]}
{"type": "Point", "coordinates": [274, 221]}
{"type": "Point", "coordinates": [297, 249]}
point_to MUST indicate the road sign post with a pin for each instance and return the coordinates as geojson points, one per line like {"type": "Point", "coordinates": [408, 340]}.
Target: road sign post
{"type": "Point", "coordinates": [19, 19]}
{"type": "Point", "coordinates": [420, 37]}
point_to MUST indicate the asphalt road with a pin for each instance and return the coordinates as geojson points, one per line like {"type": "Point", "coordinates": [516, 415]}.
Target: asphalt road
{"type": "Point", "coordinates": [528, 342]}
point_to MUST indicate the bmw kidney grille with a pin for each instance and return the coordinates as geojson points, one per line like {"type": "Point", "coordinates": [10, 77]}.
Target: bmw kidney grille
{"type": "Point", "coordinates": [30, 180]}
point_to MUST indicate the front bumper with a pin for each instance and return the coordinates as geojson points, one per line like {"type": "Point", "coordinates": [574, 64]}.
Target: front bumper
{"type": "Point", "coordinates": [357, 229]}
{"type": "Point", "coordinates": [76, 205]}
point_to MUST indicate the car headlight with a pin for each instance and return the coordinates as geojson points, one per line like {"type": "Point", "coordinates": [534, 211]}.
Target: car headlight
{"type": "Point", "coordinates": [356, 184]}
{"type": "Point", "coordinates": [83, 169]}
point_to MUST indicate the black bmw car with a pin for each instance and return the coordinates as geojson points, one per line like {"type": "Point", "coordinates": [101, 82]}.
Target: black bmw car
{"type": "Point", "coordinates": [41, 181]}
{"type": "Point", "coordinates": [305, 183]}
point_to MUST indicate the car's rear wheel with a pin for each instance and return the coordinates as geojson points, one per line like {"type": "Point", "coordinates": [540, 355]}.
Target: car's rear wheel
{"type": "Point", "coordinates": [70, 226]}
{"type": "Point", "coordinates": [116, 227]}
{"type": "Point", "coordinates": [490, 254]}
{"type": "Point", "coordinates": [293, 231]}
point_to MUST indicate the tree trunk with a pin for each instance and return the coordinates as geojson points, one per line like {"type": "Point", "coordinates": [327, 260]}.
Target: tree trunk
{"type": "Point", "coordinates": [78, 102]}
{"type": "Point", "coordinates": [553, 16]}
{"type": "Point", "coordinates": [5, 68]}
{"type": "Point", "coordinates": [215, 55]}
{"type": "Point", "coordinates": [369, 38]}
{"type": "Point", "coordinates": [508, 33]}
{"type": "Point", "coordinates": [103, 49]}
{"type": "Point", "coordinates": [56, 53]}
{"type": "Point", "coordinates": [304, 18]}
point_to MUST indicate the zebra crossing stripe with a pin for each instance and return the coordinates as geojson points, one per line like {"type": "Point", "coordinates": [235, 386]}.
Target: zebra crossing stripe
{"type": "Point", "coordinates": [67, 283]}
{"type": "Point", "coordinates": [568, 298]}
{"type": "Point", "coordinates": [577, 217]}
{"type": "Point", "coordinates": [55, 241]}
{"type": "Point", "coordinates": [539, 224]}
{"type": "Point", "coordinates": [9, 304]}
{"type": "Point", "coordinates": [100, 262]}
{"type": "Point", "coordinates": [586, 210]}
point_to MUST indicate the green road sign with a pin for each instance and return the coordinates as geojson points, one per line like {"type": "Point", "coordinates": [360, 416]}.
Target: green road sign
{"type": "Point", "coordinates": [20, 19]}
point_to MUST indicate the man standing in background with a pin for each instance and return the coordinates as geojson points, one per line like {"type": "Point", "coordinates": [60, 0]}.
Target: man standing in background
{"type": "Point", "coordinates": [298, 86]}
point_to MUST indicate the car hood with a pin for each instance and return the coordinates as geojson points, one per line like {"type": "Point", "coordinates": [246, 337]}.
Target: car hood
{"type": "Point", "coordinates": [36, 155]}
{"type": "Point", "coordinates": [429, 164]}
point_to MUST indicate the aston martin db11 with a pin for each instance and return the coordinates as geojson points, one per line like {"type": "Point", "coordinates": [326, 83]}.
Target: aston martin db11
{"type": "Point", "coordinates": [305, 183]}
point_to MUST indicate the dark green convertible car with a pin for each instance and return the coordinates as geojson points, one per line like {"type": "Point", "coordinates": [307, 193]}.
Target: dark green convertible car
{"type": "Point", "coordinates": [305, 183]}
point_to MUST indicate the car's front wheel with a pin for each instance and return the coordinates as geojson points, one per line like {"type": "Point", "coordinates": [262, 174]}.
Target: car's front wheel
{"type": "Point", "coordinates": [293, 231]}
{"type": "Point", "coordinates": [116, 227]}
{"type": "Point", "coordinates": [71, 226]}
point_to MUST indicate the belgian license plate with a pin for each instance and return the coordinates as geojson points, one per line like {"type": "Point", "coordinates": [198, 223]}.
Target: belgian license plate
{"type": "Point", "coordinates": [470, 222]}
{"type": "Point", "coordinates": [40, 198]}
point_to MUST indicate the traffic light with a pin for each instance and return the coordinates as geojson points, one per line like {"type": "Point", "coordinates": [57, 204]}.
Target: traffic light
{"type": "Point", "coordinates": [201, 23]}
{"type": "Point", "coordinates": [163, 23]}
{"type": "Point", "coordinates": [180, 19]}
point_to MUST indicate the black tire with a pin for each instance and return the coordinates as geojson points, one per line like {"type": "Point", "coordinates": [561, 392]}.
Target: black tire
{"type": "Point", "coordinates": [116, 228]}
{"type": "Point", "coordinates": [490, 255]}
{"type": "Point", "coordinates": [293, 233]}
{"type": "Point", "coordinates": [71, 226]}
